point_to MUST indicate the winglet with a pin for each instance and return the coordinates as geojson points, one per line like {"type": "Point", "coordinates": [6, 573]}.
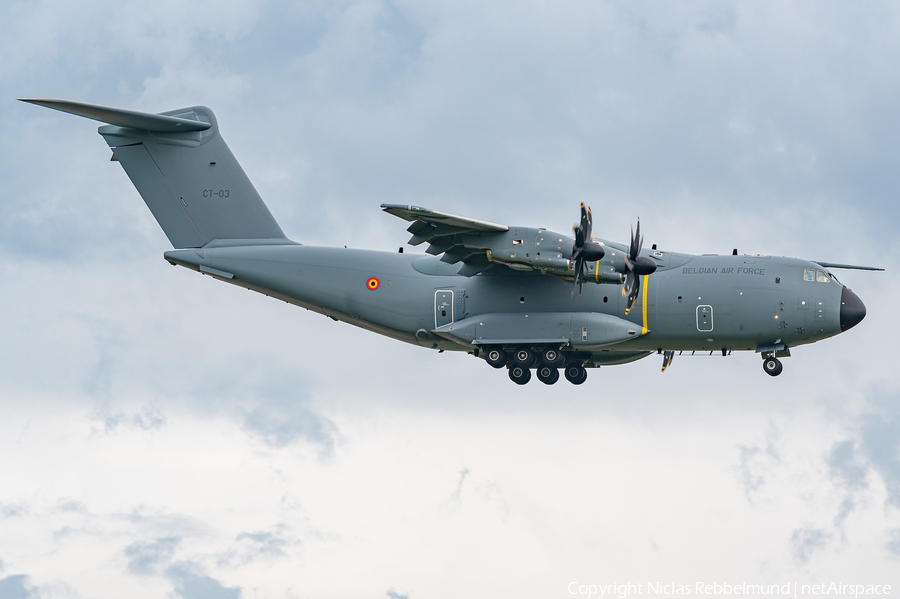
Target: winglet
{"type": "Point", "coordinates": [123, 118]}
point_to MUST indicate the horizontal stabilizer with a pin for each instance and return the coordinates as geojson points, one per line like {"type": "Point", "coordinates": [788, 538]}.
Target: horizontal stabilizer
{"type": "Point", "coordinates": [124, 118]}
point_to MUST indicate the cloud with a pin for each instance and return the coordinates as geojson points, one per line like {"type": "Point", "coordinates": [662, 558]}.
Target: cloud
{"type": "Point", "coordinates": [162, 523]}
{"type": "Point", "coordinates": [279, 427]}
{"type": "Point", "coordinates": [17, 587]}
{"type": "Point", "coordinates": [893, 542]}
{"type": "Point", "coordinates": [756, 459]}
{"type": "Point", "coordinates": [73, 506]}
{"type": "Point", "coordinates": [462, 477]}
{"type": "Point", "coordinates": [258, 545]}
{"type": "Point", "coordinates": [13, 510]}
{"type": "Point", "coordinates": [872, 450]}
{"type": "Point", "coordinates": [147, 420]}
{"type": "Point", "coordinates": [846, 470]}
{"type": "Point", "coordinates": [805, 541]}
{"type": "Point", "coordinates": [392, 594]}
{"type": "Point", "coordinates": [189, 584]}
{"type": "Point", "coordinates": [879, 443]}
{"type": "Point", "coordinates": [146, 558]}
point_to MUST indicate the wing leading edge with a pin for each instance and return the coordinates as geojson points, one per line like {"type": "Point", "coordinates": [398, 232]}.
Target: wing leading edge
{"type": "Point", "coordinates": [457, 237]}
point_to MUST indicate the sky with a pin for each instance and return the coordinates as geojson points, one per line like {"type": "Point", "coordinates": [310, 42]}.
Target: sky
{"type": "Point", "coordinates": [164, 435]}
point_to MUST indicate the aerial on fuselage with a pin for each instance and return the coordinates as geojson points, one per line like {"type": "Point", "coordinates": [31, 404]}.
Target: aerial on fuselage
{"type": "Point", "coordinates": [521, 298]}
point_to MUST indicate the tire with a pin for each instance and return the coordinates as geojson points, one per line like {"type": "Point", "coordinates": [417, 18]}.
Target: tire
{"type": "Point", "coordinates": [772, 366]}
{"type": "Point", "coordinates": [519, 375]}
{"type": "Point", "coordinates": [575, 373]}
{"type": "Point", "coordinates": [496, 357]}
{"type": "Point", "coordinates": [524, 357]}
{"type": "Point", "coordinates": [547, 374]}
{"type": "Point", "coordinates": [553, 357]}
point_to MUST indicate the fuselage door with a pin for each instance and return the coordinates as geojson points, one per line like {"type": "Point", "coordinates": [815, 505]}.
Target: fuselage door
{"type": "Point", "coordinates": [704, 318]}
{"type": "Point", "coordinates": [443, 308]}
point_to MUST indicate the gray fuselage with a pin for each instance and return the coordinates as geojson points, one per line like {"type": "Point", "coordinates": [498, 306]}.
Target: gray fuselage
{"type": "Point", "coordinates": [693, 303]}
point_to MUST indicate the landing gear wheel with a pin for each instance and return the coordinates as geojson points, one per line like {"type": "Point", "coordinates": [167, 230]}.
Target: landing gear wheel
{"type": "Point", "coordinates": [496, 357]}
{"type": "Point", "coordinates": [547, 374]}
{"type": "Point", "coordinates": [519, 375]}
{"type": "Point", "coordinates": [553, 357]}
{"type": "Point", "coordinates": [773, 366]}
{"type": "Point", "coordinates": [576, 374]}
{"type": "Point", "coordinates": [524, 357]}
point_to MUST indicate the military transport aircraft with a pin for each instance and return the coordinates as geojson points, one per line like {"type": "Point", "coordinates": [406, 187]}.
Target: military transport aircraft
{"type": "Point", "coordinates": [519, 297]}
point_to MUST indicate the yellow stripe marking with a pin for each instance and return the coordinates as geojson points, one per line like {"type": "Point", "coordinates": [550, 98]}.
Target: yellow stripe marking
{"type": "Point", "coordinates": [644, 329]}
{"type": "Point", "coordinates": [597, 272]}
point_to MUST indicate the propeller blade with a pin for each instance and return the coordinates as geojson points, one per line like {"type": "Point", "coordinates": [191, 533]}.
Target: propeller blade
{"type": "Point", "coordinates": [631, 290]}
{"type": "Point", "coordinates": [587, 222]}
{"type": "Point", "coordinates": [640, 240]}
{"type": "Point", "coordinates": [583, 235]}
{"type": "Point", "coordinates": [579, 265]}
{"type": "Point", "coordinates": [637, 242]}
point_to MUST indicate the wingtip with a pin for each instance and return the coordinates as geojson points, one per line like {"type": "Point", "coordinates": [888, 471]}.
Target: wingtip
{"type": "Point", "coordinates": [38, 101]}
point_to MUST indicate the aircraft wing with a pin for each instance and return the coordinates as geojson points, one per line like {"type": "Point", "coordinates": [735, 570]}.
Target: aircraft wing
{"type": "Point", "coordinates": [847, 266]}
{"type": "Point", "coordinates": [457, 237]}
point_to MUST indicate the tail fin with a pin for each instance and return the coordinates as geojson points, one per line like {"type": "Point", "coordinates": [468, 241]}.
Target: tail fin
{"type": "Point", "coordinates": [185, 172]}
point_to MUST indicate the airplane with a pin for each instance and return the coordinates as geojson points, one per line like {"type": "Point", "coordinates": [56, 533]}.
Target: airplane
{"type": "Point", "coordinates": [505, 294]}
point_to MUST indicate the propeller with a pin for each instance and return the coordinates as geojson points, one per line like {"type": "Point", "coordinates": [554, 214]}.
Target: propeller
{"type": "Point", "coordinates": [585, 249]}
{"type": "Point", "coordinates": [636, 267]}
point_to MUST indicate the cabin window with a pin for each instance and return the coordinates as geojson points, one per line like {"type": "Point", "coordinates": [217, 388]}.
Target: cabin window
{"type": "Point", "coordinates": [821, 277]}
{"type": "Point", "coordinates": [809, 275]}
{"type": "Point", "coordinates": [517, 242]}
{"type": "Point", "coordinates": [605, 299]}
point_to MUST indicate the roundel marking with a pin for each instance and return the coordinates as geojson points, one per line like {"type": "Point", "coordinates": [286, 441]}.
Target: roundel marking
{"type": "Point", "coordinates": [373, 284]}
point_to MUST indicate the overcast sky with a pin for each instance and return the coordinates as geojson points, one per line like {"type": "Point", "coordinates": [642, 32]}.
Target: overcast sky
{"type": "Point", "coordinates": [163, 434]}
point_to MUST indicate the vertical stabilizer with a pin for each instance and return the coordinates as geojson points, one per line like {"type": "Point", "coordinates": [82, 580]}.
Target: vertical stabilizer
{"type": "Point", "coordinates": [185, 173]}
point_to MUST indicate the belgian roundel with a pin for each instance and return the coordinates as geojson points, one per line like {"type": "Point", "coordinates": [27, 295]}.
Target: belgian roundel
{"type": "Point", "coordinates": [373, 284]}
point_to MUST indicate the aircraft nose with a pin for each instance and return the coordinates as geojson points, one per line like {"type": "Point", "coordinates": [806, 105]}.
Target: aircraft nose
{"type": "Point", "coordinates": [852, 309]}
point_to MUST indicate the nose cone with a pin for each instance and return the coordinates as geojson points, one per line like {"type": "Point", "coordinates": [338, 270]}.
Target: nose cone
{"type": "Point", "coordinates": [852, 310]}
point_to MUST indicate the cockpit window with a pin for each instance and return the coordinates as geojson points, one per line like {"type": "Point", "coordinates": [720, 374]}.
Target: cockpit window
{"type": "Point", "coordinates": [809, 274]}
{"type": "Point", "coordinates": [821, 277]}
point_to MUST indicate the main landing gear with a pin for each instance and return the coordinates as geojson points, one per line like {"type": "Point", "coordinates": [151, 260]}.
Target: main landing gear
{"type": "Point", "coordinates": [576, 374]}
{"type": "Point", "coordinates": [773, 366]}
{"type": "Point", "coordinates": [523, 359]}
{"type": "Point", "coordinates": [519, 375]}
